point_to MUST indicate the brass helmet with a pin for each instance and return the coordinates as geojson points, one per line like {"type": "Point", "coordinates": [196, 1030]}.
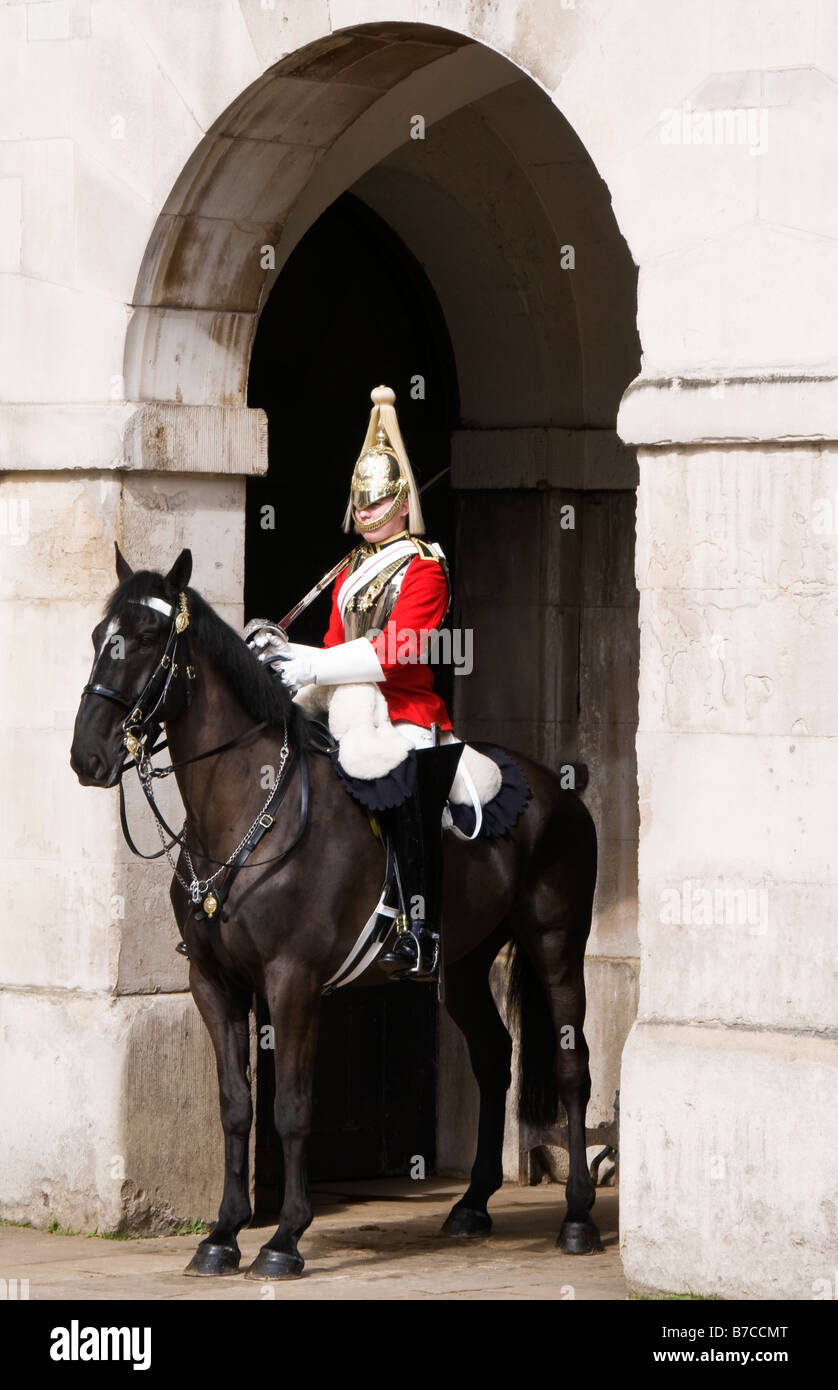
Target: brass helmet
{"type": "Point", "coordinates": [383, 468]}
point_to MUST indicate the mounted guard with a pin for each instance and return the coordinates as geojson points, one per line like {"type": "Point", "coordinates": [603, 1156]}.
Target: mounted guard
{"type": "Point", "coordinates": [372, 674]}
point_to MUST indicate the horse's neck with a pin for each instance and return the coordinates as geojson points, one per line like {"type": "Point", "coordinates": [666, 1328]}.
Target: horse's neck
{"type": "Point", "coordinates": [214, 790]}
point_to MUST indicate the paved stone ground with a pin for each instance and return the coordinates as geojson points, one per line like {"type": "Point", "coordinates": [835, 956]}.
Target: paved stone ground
{"type": "Point", "coordinates": [369, 1240]}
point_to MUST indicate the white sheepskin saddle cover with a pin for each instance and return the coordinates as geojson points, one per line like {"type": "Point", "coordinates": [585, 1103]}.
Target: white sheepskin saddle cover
{"type": "Point", "coordinates": [370, 745]}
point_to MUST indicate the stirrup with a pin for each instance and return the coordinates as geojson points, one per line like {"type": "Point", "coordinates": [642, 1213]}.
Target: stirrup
{"type": "Point", "coordinates": [415, 970]}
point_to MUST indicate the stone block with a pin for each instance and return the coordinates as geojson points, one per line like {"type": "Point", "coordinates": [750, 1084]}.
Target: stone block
{"type": "Point", "coordinates": [71, 832]}
{"type": "Point", "coordinates": [611, 990]}
{"type": "Point", "coordinates": [719, 406]}
{"type": "Point", "coordinates": [58, 344]}
{"type": "Point", "coordinates": [259, 180]}
{"type": "Point", "coordinates": [64, 931]}
{"type": "Point", "coordinates": [124, 109]}
{"type": "Point", "coordinates": [562, 576]}
{"type": "Point", "coordinates": [508, 657]}
{"type": "Point", "coordinates": [48, 20]}
{"type": "Point", "coordinates": [148, 933]}
{"type": "Point", "coordinates": [717, 289]}
{"type": "Point", "coordinates": [794, 178]}
{"type": "Point", "coordinates": [205, 263]}
{"type": "Point", "coordinates": [168, 438]}
{"type": "Point", "coordinates": [457, 1101]}
{"type": "Point", "coordinates": [59, 541]}
{"type": "Point", "coordinates": [297, 112]}
{"type": "Point", "coordinates": [524, 736]}
{"type": "Point", "coordinates": [608, 543]}
{"type": "Point", "coordinates": [744, 520]}
{"type": "Point", "coordinates": [151, 436]}
{"type": "Point", "coordinates": [60, 535]}
{"type": "Point", "coordinates": [37, 82]}
{"type": "Point", "coordinates": [109, 232]}
{"type": "Point", "coordinates": [708, 189]}
{"type": "Point", "coordinates": [491, 567]}
{"type": "Point", "coordinates": [681, 41]}
{"type": "Point", "coordinates": [11, 219]}
{"type": "Point", "coordinates": [771, 35]}
{"type": "Point", "coordinates": [745, 661]}
{"type": "Point", "coordinates": [205, 50]}
{"type": "Point", "coordinates": [742, 810]}
{"type": "Point", "coordinates": [608, 669]}
{"type": "Point", "coordinates": [44, 693]}
{"type": "Point", "coordinates": [607, 750]}
{"type": "Point", "coordinates": [163, 513]}
{"type": "Point", "coordinates": [697, 1119]}
{"type": "Point", "coordinates": [277, 29]}
{"type": "Point", "coordinates": [112, 1112]}
{"type": "Point", "coordinates": [211, 350]}
{"type": "Point", "coordinates": [614, 926]}
{"type": "Point", "coordinates": [747, 950]}
{"type": "Point", "coordinates": [558, 663]}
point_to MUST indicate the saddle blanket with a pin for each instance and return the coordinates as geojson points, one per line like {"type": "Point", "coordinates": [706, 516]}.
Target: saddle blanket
{"type": "Point", "coordinates": [499, 814]}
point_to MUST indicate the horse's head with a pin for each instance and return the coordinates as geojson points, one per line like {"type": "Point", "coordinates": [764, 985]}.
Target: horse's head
{"type": "Point", "coordinates": [140, 660]}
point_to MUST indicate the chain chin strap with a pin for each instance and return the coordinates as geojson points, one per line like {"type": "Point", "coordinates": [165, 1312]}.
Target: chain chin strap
{"type": "Point", "coordinates": [401, 493]}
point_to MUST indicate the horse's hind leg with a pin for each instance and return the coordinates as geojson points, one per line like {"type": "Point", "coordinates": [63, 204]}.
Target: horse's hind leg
{"type": "Point", "coordinates": [578, 1235]}
{"type": "Point", "coordinates": [226, 1014]}
{"type": "Point", "coordinates": [470, 1003]}
{"type": "Point", "coordinates": [560, 965]}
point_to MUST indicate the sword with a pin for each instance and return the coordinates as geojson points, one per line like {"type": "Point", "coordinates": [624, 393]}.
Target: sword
{"type": "Point", "coordinates": [336, 569]}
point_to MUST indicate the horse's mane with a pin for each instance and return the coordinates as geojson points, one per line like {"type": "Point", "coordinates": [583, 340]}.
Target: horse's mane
{"type": "Point", "coordinates": [260, 694]}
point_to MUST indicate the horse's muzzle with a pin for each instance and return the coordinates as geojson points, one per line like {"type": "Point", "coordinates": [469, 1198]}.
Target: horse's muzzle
{"type": "Point", "coordinates": [92, 770]}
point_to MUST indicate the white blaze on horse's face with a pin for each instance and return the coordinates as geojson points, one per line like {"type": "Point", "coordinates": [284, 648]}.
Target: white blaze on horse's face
{"type": "Point", "coordinates": [112, 630]}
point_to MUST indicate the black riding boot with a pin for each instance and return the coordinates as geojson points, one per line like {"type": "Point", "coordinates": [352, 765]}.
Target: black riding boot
{"type": "Point", "coordinates": [415, 830]}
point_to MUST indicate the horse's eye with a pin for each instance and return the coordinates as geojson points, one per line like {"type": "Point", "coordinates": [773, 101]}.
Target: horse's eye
{"type": "Point", "coordinates": [146, 639]}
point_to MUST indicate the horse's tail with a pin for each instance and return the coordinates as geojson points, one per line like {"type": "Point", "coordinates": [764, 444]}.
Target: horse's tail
{"type": "Point", "coordinates": [538, 1097]}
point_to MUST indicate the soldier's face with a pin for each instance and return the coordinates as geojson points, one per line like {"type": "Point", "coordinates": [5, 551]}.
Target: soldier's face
{"type": "Point", "coordinates": [364, 515]}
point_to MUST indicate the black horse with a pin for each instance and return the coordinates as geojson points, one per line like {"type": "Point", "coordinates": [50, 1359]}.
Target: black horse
{"type": "Point", "coordinates": [289, 922]}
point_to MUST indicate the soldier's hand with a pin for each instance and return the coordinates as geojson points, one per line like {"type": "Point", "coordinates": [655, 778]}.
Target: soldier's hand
{"type": "Point", "coordinates": [265, 639]}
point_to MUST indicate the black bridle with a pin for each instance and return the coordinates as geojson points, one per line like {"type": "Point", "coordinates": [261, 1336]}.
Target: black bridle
{"type": "Point", "coordinates": [141, 730]}
{"type": "Point", "coordinates": [137, 725]}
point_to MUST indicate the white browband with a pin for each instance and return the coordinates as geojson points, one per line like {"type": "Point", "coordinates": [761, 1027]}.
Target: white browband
{"type": "Point", "coordinates": [158, 603]}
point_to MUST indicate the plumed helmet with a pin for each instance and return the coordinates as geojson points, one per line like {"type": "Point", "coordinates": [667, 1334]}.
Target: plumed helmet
{"type": "Point", "coordinates": [383, 468]}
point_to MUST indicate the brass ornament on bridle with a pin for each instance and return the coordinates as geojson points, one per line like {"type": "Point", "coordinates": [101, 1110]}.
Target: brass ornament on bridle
{"type": "Point", "coordinates": [182, 619]}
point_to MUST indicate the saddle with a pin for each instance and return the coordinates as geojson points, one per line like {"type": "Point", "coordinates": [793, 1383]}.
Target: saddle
{"type": "Point", "coordinates": [497, 816]}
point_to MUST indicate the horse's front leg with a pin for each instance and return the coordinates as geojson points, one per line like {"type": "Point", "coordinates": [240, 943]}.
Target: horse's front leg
{"type": "Point", "coordinates": [226, 1014]}
{"type": "Point", "coordinates": [293, 996]}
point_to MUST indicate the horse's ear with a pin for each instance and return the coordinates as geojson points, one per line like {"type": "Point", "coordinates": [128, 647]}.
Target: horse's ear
{"type": "Point", "coordinates": [123, 569]}
{"type": "Point", "coordinates": [181, 571]}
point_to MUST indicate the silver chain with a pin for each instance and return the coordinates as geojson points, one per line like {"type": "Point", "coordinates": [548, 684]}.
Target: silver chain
{"type": "Point", "coordinates": [198, 887]}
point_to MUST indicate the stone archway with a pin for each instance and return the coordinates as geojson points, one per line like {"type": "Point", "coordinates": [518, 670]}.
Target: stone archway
{"type": "Point", "coordinates": [502, 206]}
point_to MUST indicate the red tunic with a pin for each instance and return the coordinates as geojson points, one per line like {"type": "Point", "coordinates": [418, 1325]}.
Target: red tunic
{"type": "Point", "coordinates": [421, 605]}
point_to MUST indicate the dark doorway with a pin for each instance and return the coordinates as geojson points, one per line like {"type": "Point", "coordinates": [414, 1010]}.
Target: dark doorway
{"type": "Point", "coordinates": [351, 309]}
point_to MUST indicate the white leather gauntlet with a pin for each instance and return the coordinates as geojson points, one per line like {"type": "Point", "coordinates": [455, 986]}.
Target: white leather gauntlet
{"type": "Point", "coordinates": [347, 663]}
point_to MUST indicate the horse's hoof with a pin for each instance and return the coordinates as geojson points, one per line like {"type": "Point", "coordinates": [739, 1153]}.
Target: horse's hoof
{"type": "Point", "coordinates": [465, 1221]}
{"type": "Point", "coordinates": [212, 1259]}
{"type": "Point", "coordinates": [275, 1264]}
{"type": "Point", "coordinates": [579, 1238]}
